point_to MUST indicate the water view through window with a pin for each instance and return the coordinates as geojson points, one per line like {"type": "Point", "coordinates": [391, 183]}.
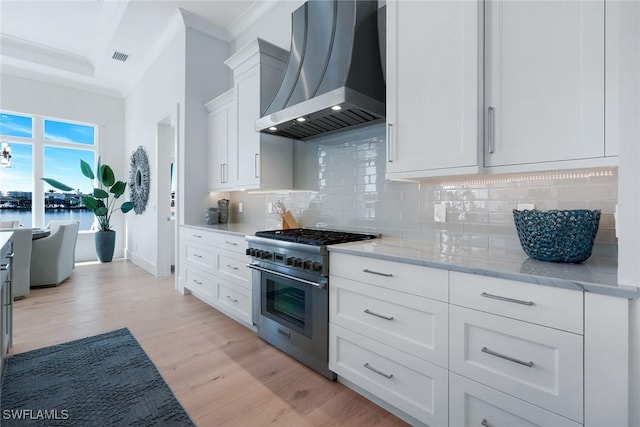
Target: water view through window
{"type": "Point", "coordinates": [59, 150]}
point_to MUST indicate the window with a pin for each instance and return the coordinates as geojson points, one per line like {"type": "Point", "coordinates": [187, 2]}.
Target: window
{"type": "Point", "coordinates": [56, 147]}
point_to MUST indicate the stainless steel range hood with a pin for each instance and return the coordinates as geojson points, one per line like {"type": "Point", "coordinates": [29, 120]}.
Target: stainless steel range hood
{"type": "Point", "coordinates": [334, 76]}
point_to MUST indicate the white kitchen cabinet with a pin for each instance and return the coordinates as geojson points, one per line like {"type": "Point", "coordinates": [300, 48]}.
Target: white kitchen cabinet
{"type": "Point", "coordinates": [434, 55]}
{"type": "Point", "coordinates": [262, 161]}
{"type": "Point", "coordinates": [544, 85]}
{"type": "Point", "coordinates": [213, 269]}
{"type": "Point", "coordinates": [222, 141]}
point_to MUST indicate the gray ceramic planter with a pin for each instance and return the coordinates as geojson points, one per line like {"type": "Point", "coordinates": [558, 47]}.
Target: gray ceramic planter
{"type": "Point", "coordinates": [105, 245]}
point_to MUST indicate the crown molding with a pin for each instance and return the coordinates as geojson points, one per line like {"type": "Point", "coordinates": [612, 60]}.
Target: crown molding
{"type": "Point", "coordinates": [198, 23]}
{"type": "Point", "coordinates": [35, 53]}
{"type": "Point", "coordinates": [253, 14]}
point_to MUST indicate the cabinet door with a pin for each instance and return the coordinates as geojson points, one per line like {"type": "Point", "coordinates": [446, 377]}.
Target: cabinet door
{"type": "Point", "coordinates": [544, 81]}
{"type": "Point", "coordinates": [248, 104]}
{"type": "Point", "coordinates": [433, 57]}
{"type": "Point", "coordinates": [221, 138]}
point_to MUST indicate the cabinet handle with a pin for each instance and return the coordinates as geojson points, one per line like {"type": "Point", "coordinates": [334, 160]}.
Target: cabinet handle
{"type": "Point", "coordinates": [255, 165]}
{"type": "Point", "coordinates": [515, 301]}
{"type": "Point", "coordinates": [510, 359]}
{"type": "Point", "coordinates": [231, 243]}
{"type": "Point", "coordinates": [197, 255]}
{"type": "Point", "coordinates": [222, 173]}
{"type": "Point", "coordinates": [197, 236]}
{"type": "Point", "coordinates": [390, 142]}
{"type": "Point", "coordinates": [382, 316]}
{"type": "Point", "coordinates": [232, 267]}
{"type": "Point", "coordinates": [197, 282]}
{"type": "Point", "coordinates": [11, 255]}
{"type": "Point", "coordinates": [492, 129]}
{"type": "Point", "coordinates": [485, 423]}
{"type": "Point", "coordinates": [371, 368]}
{"type": "Point", "coordinates": [4, 267]}
{"type": "Point", "coordinates": [366, 270]}
{"type": "Point", "coordinates": [233, 300]}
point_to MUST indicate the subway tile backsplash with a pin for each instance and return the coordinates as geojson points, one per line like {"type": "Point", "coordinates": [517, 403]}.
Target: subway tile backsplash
{"type": "Point", "coordinates": [340, 184]}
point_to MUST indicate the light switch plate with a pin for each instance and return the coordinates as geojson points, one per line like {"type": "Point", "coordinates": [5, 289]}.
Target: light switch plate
{"type": "Point", "coordinates": [240, 207]}
{"type": "Point", "coordinates": [440, 212]}
{"type": "Point", "coordinates": [269, 207]}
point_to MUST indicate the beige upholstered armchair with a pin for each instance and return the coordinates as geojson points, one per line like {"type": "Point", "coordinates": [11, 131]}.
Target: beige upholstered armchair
{"type": "Point", "coordinates": [9, 223]}
{"type": "Point", "coordinates": [53, 257]}
{"type": "Point", "coordinates": [20, 272]}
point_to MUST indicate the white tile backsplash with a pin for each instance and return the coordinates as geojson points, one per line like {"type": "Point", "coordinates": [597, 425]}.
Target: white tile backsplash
{"type": "Point", "coordinates": [345, 188]}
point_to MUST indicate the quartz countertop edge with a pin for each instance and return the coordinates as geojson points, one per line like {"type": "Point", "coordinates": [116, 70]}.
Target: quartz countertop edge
{"type": "Point", "coordinates": [234, 229]}
{"type": "Point", "coordinates": [596, 275]}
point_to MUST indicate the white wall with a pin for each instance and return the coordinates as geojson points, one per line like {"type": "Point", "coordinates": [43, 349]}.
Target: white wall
{"type": "Point", "coordinates": [29, 96]}
{"type": "Point", "coordinates": [154, 97]}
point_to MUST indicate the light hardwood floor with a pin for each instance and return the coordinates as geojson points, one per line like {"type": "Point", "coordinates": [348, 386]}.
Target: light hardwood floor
{"type": "Point", "coordinates": [220, 371]}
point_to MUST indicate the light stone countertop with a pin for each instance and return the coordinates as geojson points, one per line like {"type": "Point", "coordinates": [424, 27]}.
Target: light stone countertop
{"type": "Point", "coordinates": [235, 229]}
{"type": "Point", "coordinates": [597, 275]}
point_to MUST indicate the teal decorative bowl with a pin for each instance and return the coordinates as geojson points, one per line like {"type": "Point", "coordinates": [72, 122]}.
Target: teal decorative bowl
{"type": "Point", "coordinates": [557, 235]}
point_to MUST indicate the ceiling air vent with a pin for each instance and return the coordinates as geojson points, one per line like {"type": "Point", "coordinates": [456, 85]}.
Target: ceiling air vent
{"type": "Point", "coordinates": [119, 56]}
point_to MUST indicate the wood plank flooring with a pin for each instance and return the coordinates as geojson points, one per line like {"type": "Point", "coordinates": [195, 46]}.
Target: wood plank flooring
{"type": "Point", "coordinates": [221, 372]}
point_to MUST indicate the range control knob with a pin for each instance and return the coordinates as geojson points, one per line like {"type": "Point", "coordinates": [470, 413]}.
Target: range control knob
{"type": "Point", "coordinates": [289, 260]}
{"type": "Point", "coordinates": [297, 262]}
{"type": "Point", "coordinates": [266, 255]}
{"type": "Point", "coordinates": [306, 265]}
{"type": "Point", "coordinates": [248, 251]}
{"type": "Point", "coordinates": [316, 266]}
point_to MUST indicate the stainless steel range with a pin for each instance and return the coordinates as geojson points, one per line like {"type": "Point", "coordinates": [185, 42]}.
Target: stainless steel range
{"type": "Point", "coordinates": [291, 290]}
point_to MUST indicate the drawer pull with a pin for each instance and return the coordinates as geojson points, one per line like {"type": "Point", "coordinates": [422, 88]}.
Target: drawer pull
{"type": "Point", "coordinates": [485, 423]}
{"type": "Point", "coordinates": [197, 255]}
{"type": "Point", "coordinates": [4, 267]}
{"type": "Point", "coordinates": [515, 301]}
{"type": "Point", "coordinates": [510, 359]}
{"type": "Point", "coordinates": [233, 300]}
{"type": "Point", "coordinates": [366, 270]}
{"type": "Point", "coordinates": [371, 368]}
{"type": "Point", "coordinates": [11, 255]}
{"type": "Point", "coordinates": [382, 316]}
{"type": "Point", "coordinates": [197, 236]}
{"type": "Point", "coordinates": [285, 333]}
{"type": "Point", "coordinates": [232, 267]}
{"type": "Point", "coordinates": [231, 243]}
{"type": "Point", "coordinates": [197, 282]}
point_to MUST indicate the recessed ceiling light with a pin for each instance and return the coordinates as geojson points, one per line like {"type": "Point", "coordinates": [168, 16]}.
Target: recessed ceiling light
{"type": "Point", "coordinates": [273, 128]}
{"type": "Point", "coordinates": [301, 119]}
{"type": "Point", "coordinates": [336, 108]}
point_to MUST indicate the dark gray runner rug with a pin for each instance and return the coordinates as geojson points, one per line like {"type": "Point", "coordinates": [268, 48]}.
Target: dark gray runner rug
{"type": "Point", "coordinates": [104, 380]}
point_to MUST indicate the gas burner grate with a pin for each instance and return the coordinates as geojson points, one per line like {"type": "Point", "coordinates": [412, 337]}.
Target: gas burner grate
{"type": "Point", "coordinates": [314, 237]}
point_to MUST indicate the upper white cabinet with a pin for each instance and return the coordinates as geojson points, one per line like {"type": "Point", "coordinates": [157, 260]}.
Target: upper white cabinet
{"type": "Point", "coordinates": [263, 161]}
{"type": "Point", "coordinates": [544, 84]}
{"type": "Point", "coordinates": [222, 140]}
{"type": "Point", "coordinates": [433, 88]}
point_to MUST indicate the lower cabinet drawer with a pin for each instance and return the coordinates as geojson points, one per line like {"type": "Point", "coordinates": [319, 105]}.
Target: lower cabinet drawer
{"type": "Point", "coordinates": [234, 300]}
{"type": "Point", "coordinates": [541, 365]}
{"type": "Point", "coordinates": [472, 404]}
{"type": "Point", "coordinates": [416, 325]}
{"type": "Point", "coordinates": [200, 284]}
{"type": "Point", "coordinates": [412, 385]}
{"type": "Point", "coordinates": [233, 267]}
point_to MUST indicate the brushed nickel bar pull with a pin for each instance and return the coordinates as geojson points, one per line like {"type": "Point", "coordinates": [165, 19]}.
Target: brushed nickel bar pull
{"type": "Point", "coordinates": [11, 255]}
{"type": "Point", "coordinates": [366, 270]}
{"type": "Point", "coordinates": [492, 130]}
{"type": "Point", "coordinates": [485, 423]}
{"type": "Point", "coordinates": [197, 236]}
{"type": "Point", "coordinates": [510, 359]}
{"type": "Point", "coordinates": [515, 301]}
{"type": "Point", "coordinates": [382, 316]}
{"type": "Point", "coordinates": [232, 299]}
{"type": "Point", "coordinates": [197, 282]}
{"type": "Point", "coordinates": [232, 267]}
{"type": "Point", "coordinates": [255, 165]}
{"type": "Point", "coordinates": [4, 267]}
{"type": "Point", "coordinates": [221, 172]}
{"type": "Point", "coordinates": [197, 255]}
{"type": "Point", "coordinates": [231, 243]}
{"type": "Point", "coordinates": [371, 368]}
{"type": "Point", "coordinates": [389, 142]}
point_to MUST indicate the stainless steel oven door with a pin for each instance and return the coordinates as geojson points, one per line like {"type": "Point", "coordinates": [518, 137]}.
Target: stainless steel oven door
{"type": "Point", "coordinates": [294, 316]}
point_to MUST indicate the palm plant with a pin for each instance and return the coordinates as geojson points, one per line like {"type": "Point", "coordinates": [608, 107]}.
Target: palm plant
{"type": "Point", "coordinates": [103, 202]}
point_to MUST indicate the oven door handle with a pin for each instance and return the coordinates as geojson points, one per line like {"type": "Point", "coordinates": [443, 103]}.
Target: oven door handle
{"type": "Point", "coordinates": [286, 276]}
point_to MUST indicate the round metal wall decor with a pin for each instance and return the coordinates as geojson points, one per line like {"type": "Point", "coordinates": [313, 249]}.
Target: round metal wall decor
{"type": "Point", "coordinates": [139, 180]}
